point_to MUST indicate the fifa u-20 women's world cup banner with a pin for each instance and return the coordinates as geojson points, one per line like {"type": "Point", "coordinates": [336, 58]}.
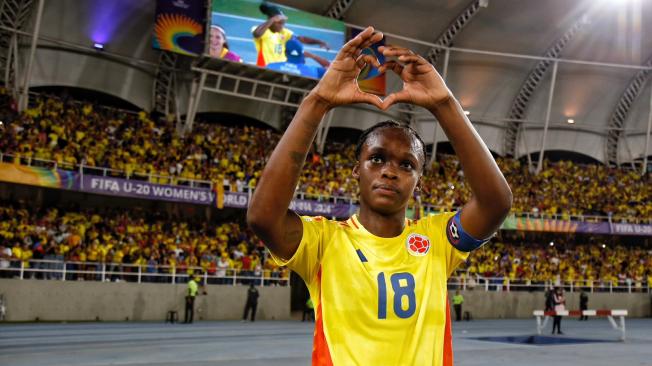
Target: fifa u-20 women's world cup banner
{"type": "Point", "coordinates": [180, 26]}
{"type": "Point", "coordinates": [274, 36]}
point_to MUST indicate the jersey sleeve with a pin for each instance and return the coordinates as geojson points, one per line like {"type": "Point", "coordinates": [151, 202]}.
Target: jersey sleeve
{"type": "Point", "coordinates": [438, 227]}
{"type": "Point", "coordinates": [287, 34]}
{"type": "Point", "coordinates": [307, 258]}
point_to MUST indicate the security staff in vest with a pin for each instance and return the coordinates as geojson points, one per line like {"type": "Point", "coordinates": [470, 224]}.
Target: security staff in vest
{"type": "Point", "coordinates": [458, 300]}
{"type": "Point", "coordinates": [252, 303]}
{"type": "Point", "coordinates": [193, 288]}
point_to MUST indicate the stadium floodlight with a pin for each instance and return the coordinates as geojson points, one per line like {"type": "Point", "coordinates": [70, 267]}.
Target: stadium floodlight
{"type": "Point", "coordinates": [98, 46]}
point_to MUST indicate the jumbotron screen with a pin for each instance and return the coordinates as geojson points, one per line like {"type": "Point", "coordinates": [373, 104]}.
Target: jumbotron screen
{"type": "Point", "coordinates": [274, 36]}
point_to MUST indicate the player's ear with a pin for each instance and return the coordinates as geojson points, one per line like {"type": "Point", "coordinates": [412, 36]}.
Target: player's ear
{"type": "Point", "coordinates": [356, 171]}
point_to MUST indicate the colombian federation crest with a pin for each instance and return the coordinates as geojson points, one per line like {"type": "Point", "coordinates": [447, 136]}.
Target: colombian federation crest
{"type": "Point", "coordinates": [417, 245]}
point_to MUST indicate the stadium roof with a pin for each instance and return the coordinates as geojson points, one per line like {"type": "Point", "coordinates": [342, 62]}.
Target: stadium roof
{"type": "Point", "coordinates": [602, 32]}
{"type": "Point", "coordinates": [496, 65]}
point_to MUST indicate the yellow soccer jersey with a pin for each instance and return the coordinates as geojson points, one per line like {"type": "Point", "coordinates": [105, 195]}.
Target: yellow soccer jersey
{"type": "Point", "coordinates": [378, 301]}
{"type": "Point", "coordinates": [271, 46]}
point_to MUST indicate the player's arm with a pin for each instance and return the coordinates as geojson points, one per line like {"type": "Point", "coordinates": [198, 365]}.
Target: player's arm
{"type": "Point", "coordinates": [310, 40]}
{"type": "Point", "coordinates": [258, 32]}
{"type": "Point", "coordinates": [268, 215]}
{"type": "Point", "coordinates": [320, 60]}
{"type": "Point", "coordinates": [422, 85]}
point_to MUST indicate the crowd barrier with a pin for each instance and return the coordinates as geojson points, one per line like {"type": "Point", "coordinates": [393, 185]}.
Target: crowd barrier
{"type": "Point", "coordinates": [119, 272]}
{"type": "Point", "coordinates": [116, 272]}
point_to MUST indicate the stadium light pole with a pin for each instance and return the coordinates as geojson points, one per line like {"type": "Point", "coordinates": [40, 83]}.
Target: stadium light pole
{"type": "Point", "coordinates": [647, 136]}
{"type": "Point", "coordinates": [551, 94]}
{"type": "Point", "coordinates": [24, 97]}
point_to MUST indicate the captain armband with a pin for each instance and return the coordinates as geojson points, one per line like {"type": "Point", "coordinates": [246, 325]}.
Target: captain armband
{"type": "Point", "coordinates": [459, 238]}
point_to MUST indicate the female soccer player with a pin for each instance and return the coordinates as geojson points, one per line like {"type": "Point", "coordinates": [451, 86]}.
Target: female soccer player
{"type": "Point", "coordinates": [378, 281]}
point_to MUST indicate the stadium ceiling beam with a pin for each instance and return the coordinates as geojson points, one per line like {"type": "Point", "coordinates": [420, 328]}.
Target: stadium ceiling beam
{"type": "Point", "coordinates": [164, 99]}
{"type": "Point", "coordinates": [621, 111]}
{"type": "Point", "coordinates": [446, 40]}
{"type": "Point", "coordinates": [522, 100]}
{"type": "Point", "coordinates": [13, 17]}
{"type": "Point", "coordinates": [647, 136]}
{"type": "Point", "coordinates": [339, 7]}
{"type": "Point", "coordinates": [336, 11]}
{"type": "Point", "coordinates": [23, 96]}
{"type": "Point", "coordinates": [448, 36]}
{"type": "Point", "coordinates": [235, 79]}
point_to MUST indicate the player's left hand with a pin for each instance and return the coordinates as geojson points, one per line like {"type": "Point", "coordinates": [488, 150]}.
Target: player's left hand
{"type": "Point", "coordinates": [422, 84]}
{"type": "Point", "coordinates": [339, 86]}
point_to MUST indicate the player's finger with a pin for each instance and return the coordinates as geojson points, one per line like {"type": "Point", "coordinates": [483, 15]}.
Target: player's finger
{"type": "Point", "coordinates": [375, 38]}
{"type": "Point", "coordinates": [399, 97]}
{"type": "Point", "coordinates": [394, 66]}
{"type": "Point", "coordinates": [416, 59]}
{"type": "Point", "coordinates": [369, 99]}
{"type": "Point", "coordinates": [363, 60]}
{"type": "Point", "coordinates": [396, 51]}
{"type": "Point", "coordinates": [351, 46]}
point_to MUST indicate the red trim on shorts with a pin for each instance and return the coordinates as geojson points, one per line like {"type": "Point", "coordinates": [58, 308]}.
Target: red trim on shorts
{"type": "Point", "coordinates": [321, 355]}
{"type": "Point", "coordinates": [260, 60]}
{"type": "Point", "coordinates": [448, 338]}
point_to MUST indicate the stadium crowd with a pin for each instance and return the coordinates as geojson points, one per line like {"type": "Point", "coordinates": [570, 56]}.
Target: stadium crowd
{"type": "Point", "coordinates": [73, 133]}
{"type": "Point", "coordinates": [525, 261]}
{"type": "Point", "coordinates": [160, 245]}
{"type": "Point", "coordinates": [156, 243]}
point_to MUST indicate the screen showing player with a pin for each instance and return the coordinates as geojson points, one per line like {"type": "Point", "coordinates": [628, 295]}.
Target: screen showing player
{"type": "Point", "coordinates": [274, 36]}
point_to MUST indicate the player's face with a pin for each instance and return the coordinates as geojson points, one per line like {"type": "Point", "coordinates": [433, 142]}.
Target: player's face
{"type": "Point", "coordinates": [389, 170]}
{"type": "Point", "coordinates": [277, 26]}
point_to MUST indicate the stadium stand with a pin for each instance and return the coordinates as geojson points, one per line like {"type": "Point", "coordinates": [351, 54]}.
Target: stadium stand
{"type": "Point", "coordinates": [71, 133]}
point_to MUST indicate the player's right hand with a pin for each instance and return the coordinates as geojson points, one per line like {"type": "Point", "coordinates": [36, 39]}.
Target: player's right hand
{"type": "Point", "coordinates": [278, 18]}
{"type": "Point", "coordinates": [339, 85]}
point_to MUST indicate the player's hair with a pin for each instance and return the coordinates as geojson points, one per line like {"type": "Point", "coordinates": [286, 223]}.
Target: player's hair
{"type": "Point", "coordinates": [269, 9]}
{"type": "Point", "coordinates": [390, 124]}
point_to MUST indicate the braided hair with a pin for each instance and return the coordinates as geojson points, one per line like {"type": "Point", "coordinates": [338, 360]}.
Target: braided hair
{"type": "Point", "coordinates": [390, 124]}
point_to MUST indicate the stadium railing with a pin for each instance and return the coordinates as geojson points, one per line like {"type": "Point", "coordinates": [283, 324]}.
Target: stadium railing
{"type": "Point", "coordinates": [121, 272]}
{"type": "Point", "coordinates": [117, 272]}
{"type": "Point", "coordinates": [195, 183]}
{"type": "Point", "coordinates": [504, 284]}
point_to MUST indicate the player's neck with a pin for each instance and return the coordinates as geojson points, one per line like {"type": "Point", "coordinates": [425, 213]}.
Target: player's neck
{"type": "Point", "coordinates": [384, 226]}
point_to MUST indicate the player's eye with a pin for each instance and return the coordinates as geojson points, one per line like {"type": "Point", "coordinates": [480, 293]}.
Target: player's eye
{"type": "Point", "coordinates": [407, 165]}
{"type": "Point", "coordinates": [376, 159]}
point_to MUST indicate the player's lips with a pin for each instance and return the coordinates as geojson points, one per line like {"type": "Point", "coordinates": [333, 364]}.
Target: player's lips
{"type": "Point", "coordinates": [385, 189]}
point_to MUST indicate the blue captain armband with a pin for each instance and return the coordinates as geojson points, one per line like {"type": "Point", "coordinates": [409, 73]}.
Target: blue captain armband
{"type": "Point", "coordinates": [459, 238]}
